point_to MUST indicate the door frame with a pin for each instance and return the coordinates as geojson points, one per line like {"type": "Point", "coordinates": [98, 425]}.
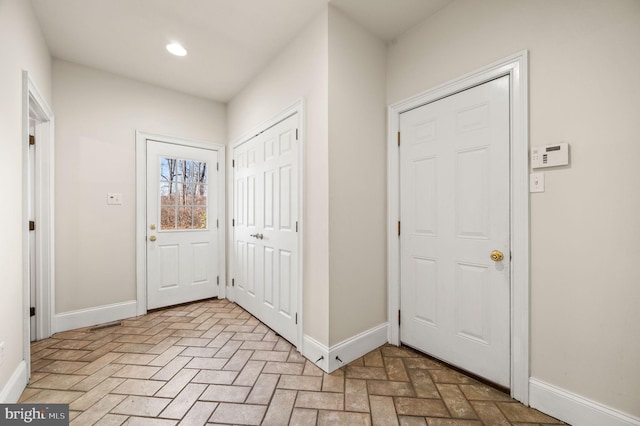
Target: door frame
{"type": "Point", "coordinates": [35, 106]}
{"type": "Point", "coordinates": [516, 66]}
{"type": "Point", "coordinates": [141, 210]}
{"type": "Point", "coordinates": [297, 107]}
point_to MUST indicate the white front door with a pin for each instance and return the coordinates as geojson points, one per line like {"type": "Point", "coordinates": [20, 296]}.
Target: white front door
{"type": "Point", "coordinates": [182, 224]}
{"type": "Point", "coordinates": [454, 195]}
{"type": "Point", "coordinates": [265, 240]}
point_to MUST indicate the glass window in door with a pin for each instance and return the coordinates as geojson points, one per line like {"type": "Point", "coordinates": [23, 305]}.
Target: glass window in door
{"type": "Point", "coordinates": [183, 194]}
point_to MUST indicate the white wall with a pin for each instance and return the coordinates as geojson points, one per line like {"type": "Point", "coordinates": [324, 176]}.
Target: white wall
{"type": "Point", "coordinates": [339, 69]}
{"type": "Point", "coordinates": [23, 48]}
{"type": "Point", "coordinates": [584, 89]}
{"type": "Point", "coordinates": [300, 70]}
{"type": "Point", "coordinates": [97, 114]}
{"type": "Point", "coordinates": [357, 179]}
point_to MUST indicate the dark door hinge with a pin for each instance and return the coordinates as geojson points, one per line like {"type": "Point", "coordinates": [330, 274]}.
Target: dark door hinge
{"type": "Point", "coordinates": [398, 316]}
{"type": "Point", "coordinates": [296, 134]}
{"type": "Point", "coordinates": [218, 280]}
{"type": "Point", "coordinates": [233, 282]}
{"type": "Point", "coordinates": [32, 225]}
{"type": "Point", "coordinates": [233, 163]}
{"type": "Point", "coordinates": [217, 166]}
{"type": "Point", "coordinates": [296, 318]}
{"type": "Point", "coordinates": [233, 222]}
{"type": "Point", "coordinates": [32, 311]}
{"type": "Point", "coordinates": [217, 223]}
{"type": "Point", "coordinates": [398, 227]}
{"type": "Point", "coordinates": [398, 138]}
{"type": "Point", "coordinates": [32, 140]}
{"type": "Point", "coordinates": [296, 226]}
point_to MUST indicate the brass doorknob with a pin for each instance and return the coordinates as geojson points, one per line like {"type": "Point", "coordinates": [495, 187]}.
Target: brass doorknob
{"type": "Point", "coordinates": [152, 238]}
{"type": "Point", "coordinates": [497, 256]}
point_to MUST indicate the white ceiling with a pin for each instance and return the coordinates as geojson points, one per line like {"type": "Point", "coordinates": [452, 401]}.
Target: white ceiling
{"type": "Point", "coordinates": [229, 41]}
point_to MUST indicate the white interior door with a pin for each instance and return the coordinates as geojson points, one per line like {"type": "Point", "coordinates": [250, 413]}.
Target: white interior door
{"type": "Point", "coordinates": [265, 226]}
{"type": "Point", "coordinates": [182, 224]}
{"type": "Point", "coordinates": [454, 195]}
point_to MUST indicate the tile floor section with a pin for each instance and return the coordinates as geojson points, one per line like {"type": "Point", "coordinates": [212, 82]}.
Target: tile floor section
{"type": "Point", "coordinates": [212, 362]}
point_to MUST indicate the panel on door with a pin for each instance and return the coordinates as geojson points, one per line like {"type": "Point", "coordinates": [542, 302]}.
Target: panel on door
{"type": "Point", "coordinates": [182, 228]}
{"type": "Point", "coordinates": [454, 162]}
{"type": "Point", "coordinates": [247, 179]}
{"type": "Point", "coordinates": [265, 233]}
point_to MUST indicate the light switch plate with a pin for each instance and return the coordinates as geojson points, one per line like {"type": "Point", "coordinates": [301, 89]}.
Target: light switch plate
{"type": "Point", "coordinates": [114, 198]}
{"type": "Point", "coordinates": [536, 182]}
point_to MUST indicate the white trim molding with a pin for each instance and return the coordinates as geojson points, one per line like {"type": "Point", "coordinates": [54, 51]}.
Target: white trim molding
{"type": "Point", "coordinates": [141, 209]}
{"type": "Point", "coordinates": [35, 107]}
{"type": "Point", "coordinates": [315, 352]}
{"type": "Point", "coordinates": [298, 107]}
{"type": "Point", "coordinates": [330, 359]}
{"type": "Point", "coordinates": [341, 354]}
{"type": "Point", "coordinates": [516, 67]}
{"type": "Point", "coordinates": [575, 409]}
{"type": "Point", "coordinates": [355, 347]}
{"type": "Point", "coordinates": [94, 316]}
{"type": "Point", "coordinates": [14, 387]}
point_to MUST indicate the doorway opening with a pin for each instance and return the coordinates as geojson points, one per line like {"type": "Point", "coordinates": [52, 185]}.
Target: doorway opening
{"type": "Point", "coordinates": [267, 222]}
{"type": "Point", "coordinates": [38, 213]}
{"type": "Point", "coordinates": [515, 67]}
{"type": "Point", "coordinates": [180, 217]}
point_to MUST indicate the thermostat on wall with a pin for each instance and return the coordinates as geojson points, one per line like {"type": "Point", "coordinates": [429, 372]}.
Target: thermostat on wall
{"type": "Point", "coordinates": [550, 156]}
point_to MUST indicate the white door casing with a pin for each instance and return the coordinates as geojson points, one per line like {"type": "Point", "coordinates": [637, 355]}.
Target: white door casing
{"type": "Point", "coordinates": [179, 265]}
{"type": "Point", "coordinates": [515, 67]}
{"type": "Point", "coordinates": [38, 247]}
{"type": "Point", "coordinates": [454, 203]}
{"type": "Point", "coordinates": [265, 229]}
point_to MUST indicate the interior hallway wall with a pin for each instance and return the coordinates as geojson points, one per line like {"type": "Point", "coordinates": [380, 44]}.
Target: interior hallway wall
{"type": "Point", "coordinates": [97, 115]}
{"type": "Point", "coordinates": [23, 48]}
{"type": "Point", "coordinates": [584, 90]}
{"type": "Point", "coordinates": [357, 179]}
{"type": "Point", "coordinates": [300, 70]}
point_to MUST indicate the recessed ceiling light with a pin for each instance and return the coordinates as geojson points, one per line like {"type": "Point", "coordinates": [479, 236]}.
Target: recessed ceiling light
{"type": "Point", "coordinates": [176, 49]}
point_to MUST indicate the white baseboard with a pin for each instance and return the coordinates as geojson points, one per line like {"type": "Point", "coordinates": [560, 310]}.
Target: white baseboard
{"type": "Point", "coordinates": [357, 346]}
{"type": "Point", "coordinates": [93, 316]}
{"type": "Point", "coordinates": [347, 351]}
{"type": "Point", "coordinates": [316, 352]}
{"type": "Point", "coordinates": [575, 409]}
{"type": "Point", "coordinates": [11, 392]}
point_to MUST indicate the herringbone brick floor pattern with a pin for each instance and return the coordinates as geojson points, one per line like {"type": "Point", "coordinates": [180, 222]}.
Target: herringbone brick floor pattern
{"type": "Point", "coordinates": [211, 362]}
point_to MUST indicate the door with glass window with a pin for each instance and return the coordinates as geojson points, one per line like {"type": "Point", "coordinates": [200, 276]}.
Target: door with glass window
{"type": "Point", "coordinates": [182, 228]}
